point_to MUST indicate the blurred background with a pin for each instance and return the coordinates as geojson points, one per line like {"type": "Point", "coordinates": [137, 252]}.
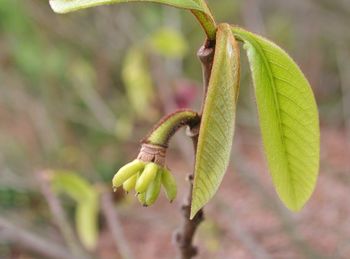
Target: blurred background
{"type": "Point", "coordinates": [78, 92]}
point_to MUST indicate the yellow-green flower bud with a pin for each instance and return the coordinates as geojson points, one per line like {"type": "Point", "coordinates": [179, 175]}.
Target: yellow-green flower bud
{"type": "Point", "coordinates": [129, 184]}
{"type": "Point", "coordinates": [153, 190]}
{"type": "Point", "coordinates": [146, 177]}
{"type": "Point", "coordinates": [126, 172]}
{"type": "Point", "coordinates": [142, 198]}
{"type": "Point", "coordinates": [169, 184]}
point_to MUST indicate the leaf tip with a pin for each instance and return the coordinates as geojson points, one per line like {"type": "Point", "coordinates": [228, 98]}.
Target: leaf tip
{"type": "Point", "coordinates": [193, 213]}
{"type": "Point", "coordinates": [295, 207]}
{"type": "Point", "coordinates": [195, 206]}
{"type": "Point", "coordinates": [56, 7]}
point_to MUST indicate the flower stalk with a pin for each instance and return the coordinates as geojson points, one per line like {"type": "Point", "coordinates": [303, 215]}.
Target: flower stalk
{"type": "Point", "coordinates": [148, 172]}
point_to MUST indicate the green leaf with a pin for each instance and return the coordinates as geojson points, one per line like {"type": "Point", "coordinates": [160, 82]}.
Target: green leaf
{"type": "Point", "coordinates": [288, 119]}
{"type": "Point", "coordinates": [198, 7]}
{"type": "Point", "coordinates": [86, 222]}
{"type": "Point", "coordinates": [64, 6]}
{"type": "Point", "coordinates": [138, 82]}
{"type": "Point", "coordinates": [217, 124]}
{"type": "Point", "coordinates": [169, 43]}
{"type": "Point", "coordinates": [87, 197]}
{"type": "Point", "coordinates": [73, 185]}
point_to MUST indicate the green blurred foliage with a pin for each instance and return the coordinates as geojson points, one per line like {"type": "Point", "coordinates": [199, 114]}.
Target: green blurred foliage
{"type": "Point", "coordinates": [68, 99]}
{"type": "Point", "coordinates": [168, 43]}
{"type": "Point", "coordinates": [86, 198]}
{"type": "Point", "coordinates": [138, 82]}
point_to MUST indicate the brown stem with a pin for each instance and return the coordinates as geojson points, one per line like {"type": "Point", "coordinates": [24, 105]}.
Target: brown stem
{"type": "Point", "coordinates": [206, 56]}
{"type": "Point", "coordinates": [115, 226]}
{"type": "Point", "coordinates": [184, 235]}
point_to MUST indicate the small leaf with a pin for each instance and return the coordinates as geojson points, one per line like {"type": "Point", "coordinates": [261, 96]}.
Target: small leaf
{"type": "Point", "coordinates": [138, 81]}
{"type": "Point", "coordinates": [217, 124]}
{"type": "Point", "coordinates": [73, 185]}
{"type": "Point", "coordinates": [288, 119]}
{"type": "Point", "coordinates": [86, 222]}
{"type": "Point", "coordinates": [169, 43]}
{"type": "Point", "coordinates": [198, 7]}
{"type": "Point", "coordinates": [64, 6]}
{"type": "Point", "coordinates": [86, 197]}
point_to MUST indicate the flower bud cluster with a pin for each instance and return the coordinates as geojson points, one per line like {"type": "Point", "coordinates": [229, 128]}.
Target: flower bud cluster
{"type": "Point", "coordinates": [147, 174]}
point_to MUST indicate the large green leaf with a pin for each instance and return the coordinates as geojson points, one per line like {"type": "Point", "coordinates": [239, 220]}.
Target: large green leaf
{"type": "Point", "coordinates": [288, 119]}
{"type": "Point", "coordinates": [217, 124]}
{"type": "Point", "coordinates": [198, 7]}
{"type": "Point", "coordinates": [64, 6]}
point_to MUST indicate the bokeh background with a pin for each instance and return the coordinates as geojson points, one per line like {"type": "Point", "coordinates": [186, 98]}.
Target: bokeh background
{"type": "Point", "coordinates": [78, 92]}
